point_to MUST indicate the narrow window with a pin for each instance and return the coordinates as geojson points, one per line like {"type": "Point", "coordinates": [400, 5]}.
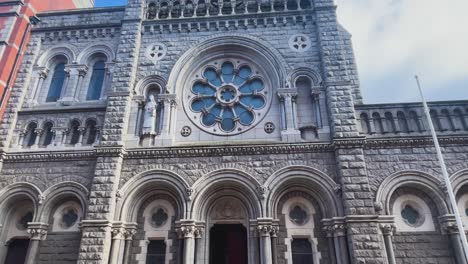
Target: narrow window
{"type": "Point", "coordinates": [56, 85]}
{"type": "Point", "coordinates": [47, 135]}
{"type": "Point", "coordinates": [301, 251]}
{"type": "Point", "coordinates": [75, 133]}
{"type": "Point", "coordinates": [90, 133]}
{"type": "Point", "coordinates": [97, 81]}
{"type": "Point", "coordinates": [30, 138]}
{"type": "Point", "coordinates": [156, 252]}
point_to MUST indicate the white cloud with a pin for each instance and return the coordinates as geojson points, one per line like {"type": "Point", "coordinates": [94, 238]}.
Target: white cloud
{"type": "Point", "coordinates": [394, 39]}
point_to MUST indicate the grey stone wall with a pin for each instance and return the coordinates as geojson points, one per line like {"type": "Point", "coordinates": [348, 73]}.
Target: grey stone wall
{"type": "Point", "coordinates": [59, 248]}
{"type": "Point", "coordinates": [422, 248]}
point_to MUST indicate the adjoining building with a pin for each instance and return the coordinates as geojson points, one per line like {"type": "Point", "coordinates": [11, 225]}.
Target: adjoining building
{"type": "Point", "coordinates": [16, 21]}
{"type": "Point", "coordinates": [218, 132]}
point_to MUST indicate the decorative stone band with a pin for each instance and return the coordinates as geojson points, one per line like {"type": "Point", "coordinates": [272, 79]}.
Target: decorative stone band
{"type": "Point", "coordinates": [208, 151]}
{"type": "Point", "coordinates": [38, 230]}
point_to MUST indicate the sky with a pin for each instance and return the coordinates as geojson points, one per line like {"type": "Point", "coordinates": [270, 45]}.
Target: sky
{"type": "Point", "coordinates": [397, 39]}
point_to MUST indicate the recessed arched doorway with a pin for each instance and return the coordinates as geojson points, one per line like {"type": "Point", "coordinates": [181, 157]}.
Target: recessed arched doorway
{"type": "Point", "coordinates": [228, 244]}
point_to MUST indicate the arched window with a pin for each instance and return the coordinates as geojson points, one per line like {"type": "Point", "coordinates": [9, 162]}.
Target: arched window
{"type": "Point", "coordinates": [414, 122]}
{"type": "Point", "coordinates": [301, 251]}
{"type": "Point", "coordinates": [56, 85]}
{"type": "Point", "coordinates": [75, 132]}
{"type": "Point", "coordinates": [30, 137]}
{"type": "Point", "coordinates": [435, 120]}
{"type": "Point", "coordinates": [446, 120]}
{"type": "Point", "coordinates": [365, 126]}
{"type": "Point", "coordinates": [402, 122]}
{"type": "Point", "coordinates": [152, 11]}
{"type": "Point", "coordinates": [377, 123]}
{"type": "Point", "coordinates": [97, 81]}
{"type": "Point", "coordinates": [390, 122]}
{"type": "Point", "coordinates": [459, 120]}
{"type": "Point", "coordinates": [47, 135]}
{"type": "Point", "coordinates": [90, 133]}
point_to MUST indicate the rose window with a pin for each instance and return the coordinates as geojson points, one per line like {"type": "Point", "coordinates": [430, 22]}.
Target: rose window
{"type": "Point", "coordinates": [228, 97]}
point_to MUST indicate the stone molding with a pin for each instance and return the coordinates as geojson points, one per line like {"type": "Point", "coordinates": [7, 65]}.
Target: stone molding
{"type": "Point", "coordinates": [265, 227]}
{"type": "Point", "coordinates": [207, 151]}
{"type": "Point", "coordinates": [187, 228]}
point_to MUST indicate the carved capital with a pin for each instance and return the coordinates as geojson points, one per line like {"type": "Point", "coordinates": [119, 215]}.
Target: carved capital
{"type": "Point", "coordinates": [118, 233]}
{"type": "Point", "coordinates": [39, 131]}
{"type": "Point", "coordinates": [264, 230]}
{"type": "Point", "coordinates": [285, 93]}
{"type": "Point", "coordinates": [38, 231]}
{"type": "Point", "coordinates": [82, 71]}
{"type": "Point", "coordinates": [387, 229]}
{"type": "Point", "coordinates": [43, 73]}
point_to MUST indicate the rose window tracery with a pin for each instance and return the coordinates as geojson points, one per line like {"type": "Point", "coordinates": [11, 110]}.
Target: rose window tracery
{"type": "Point", "coordinates": [228, 97]}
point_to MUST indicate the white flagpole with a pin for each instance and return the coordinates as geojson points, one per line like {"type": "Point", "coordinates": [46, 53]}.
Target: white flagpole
{"type": "Point", "coordinates": [448, 184]}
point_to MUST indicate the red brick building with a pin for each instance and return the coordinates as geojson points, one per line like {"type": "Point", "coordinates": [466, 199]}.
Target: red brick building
{"type": "Point", "coordinates": [16, 19]}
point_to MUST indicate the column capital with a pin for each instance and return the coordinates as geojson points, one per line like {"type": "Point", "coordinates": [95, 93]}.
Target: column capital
{"type": "Point", "coordinates": [38, 230]}
{"type": "Point", "coordinates": [188, 228]}
{"type": "Point", "coordinates": [387, 229]}
{"type": "Point", "coordinates": [284, 93]}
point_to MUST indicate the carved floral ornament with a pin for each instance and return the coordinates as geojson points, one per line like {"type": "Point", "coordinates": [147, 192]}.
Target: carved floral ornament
{"type": "Point", "coordinates": [227, 97]}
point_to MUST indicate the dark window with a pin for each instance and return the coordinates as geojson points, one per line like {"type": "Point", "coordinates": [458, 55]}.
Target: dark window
{"type": "Point", "coordinates": [301, 251]}
{"type": "Point", "coordinates": [156, 252]}
{"type": "Point", "coordinates": [30, 138]}
{"type": "Point", "coordinates": [75, 133]}
{"type": "Point", "coordinates": [57, 83]}
{"type": "Point", "coordinates": [17, 250]}
{"type": "Point", "coordinates": [48, 135]}
{"type": "Point", "coordinates": [97, 80]}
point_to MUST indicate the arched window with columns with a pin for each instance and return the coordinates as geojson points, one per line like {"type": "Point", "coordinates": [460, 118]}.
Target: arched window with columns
{"type": "Point", "coordinates": [57, 82]}
{"type": "Point", "coordinates": [97, 81]}
{"type": "Point", "coordinates": [47, 136]}
{"type": "Point", "coordinates": [31, 135]}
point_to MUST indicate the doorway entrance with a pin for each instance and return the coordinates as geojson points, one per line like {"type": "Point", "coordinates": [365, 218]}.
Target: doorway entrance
{"type": "Point", "coordinates": [228, 244]}
{"type": "Point", "coordinates": [17, 250]}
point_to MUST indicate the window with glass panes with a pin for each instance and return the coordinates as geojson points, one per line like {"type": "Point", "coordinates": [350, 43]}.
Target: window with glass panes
{"type": "Point", "coordinates": [301, 251]}
{"type": "Point", "coordinates": [156, 253]}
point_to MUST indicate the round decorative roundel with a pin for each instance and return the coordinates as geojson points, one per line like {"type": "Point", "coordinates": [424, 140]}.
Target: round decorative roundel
{"type": "Point", "coordinates": [156, 52]}
{"type": "Point", "coordinates": [300, 42]}
{"type": "Point", "coordinates": [227, 97]}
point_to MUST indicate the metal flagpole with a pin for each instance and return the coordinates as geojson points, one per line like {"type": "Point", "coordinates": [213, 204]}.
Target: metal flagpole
{"type": "Point", "coordinates": [448, 184]}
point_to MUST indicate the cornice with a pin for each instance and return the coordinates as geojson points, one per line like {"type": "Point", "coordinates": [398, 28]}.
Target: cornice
{"type": "Point", "coordinates": [235, 150]}
{"type": "Point", "coordinates": [49, 156]}
{"type": "Point", "coordinates": [423, 141]}
{"type": "Point", "coordinates": [227, 150]}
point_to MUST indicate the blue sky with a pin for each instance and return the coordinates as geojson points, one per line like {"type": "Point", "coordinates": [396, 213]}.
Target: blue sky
{"type": "Point", "coordinates": [396, 39]}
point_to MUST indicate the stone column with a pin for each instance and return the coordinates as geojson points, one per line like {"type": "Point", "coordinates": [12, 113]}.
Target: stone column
{"type": "Point", "coordinates": [166, 119]}
{"type": "Point", "coordinates": [42, 74]}
{"type": "Point", "coordinates": [316, 99]}
{"type": "Point", "coordinates": [81, 130]}
{"type": "Point", "coordinates": [449, 227]}
{"type": "Point", "coordinates": [109, 68]}
{"type": "Point", "coordinates": [274, 242]}
{"type": "Point", "coordinates": [118, 235]}
{"type": "Point", "coordinates": [198, 245]}
{"type": "Point", "coordinates": [63, 94]}
{"type": "Point", "coordinates": [64, 136]}
{"type": "Point", "coordinates": [387, 232]}
{"type": "Point", "coordinates": [331, 243]}
{"type": "Point", "coordinates": [129, 234]}
{"type": "Point", "coordinates": [38, 132]}
{"type": "Point", "coordinates": [340, 241]}
{"type": "Point", "coordinates": [264, 228]}
{"type": "Point", "coordinates": [287, 97]}
{"type": "Point", "coordinates": [81, 74]}
{"type": "Point", "coordinates": [19, 142]}
{"type": "Point", "coordinates": [187, 230]}
{"type": "Point", "coordinates": [38, 233]}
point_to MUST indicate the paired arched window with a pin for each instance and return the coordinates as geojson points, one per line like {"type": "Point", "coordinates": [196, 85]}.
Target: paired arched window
{"type": "Point", "coordinates": [30, 137]}
{"type": "Point", "coordinates": [90, 133]}
{"type": "Point", "coordinates": [56, 85]}
{"type": "Point", "coordinates": [97, 81]}
{"type": "Point", "coordinates": [75, 132]}
{"type": "Point", "coordinates": [47, 135]}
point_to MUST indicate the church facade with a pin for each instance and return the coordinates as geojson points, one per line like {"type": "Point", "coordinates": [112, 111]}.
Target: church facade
{"type": "Point", "coordinates": [218, 132]}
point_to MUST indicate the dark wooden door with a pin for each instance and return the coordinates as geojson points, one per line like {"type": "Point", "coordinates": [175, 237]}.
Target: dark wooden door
{"type": "Point", "coordinates": [228, 244]}
{"type": "Point", "coordinates": [17, 250]}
